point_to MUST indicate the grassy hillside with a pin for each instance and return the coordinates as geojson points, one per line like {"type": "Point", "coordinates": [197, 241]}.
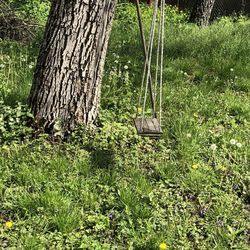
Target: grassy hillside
{"type": "Point", "coordinates": [107, 188]}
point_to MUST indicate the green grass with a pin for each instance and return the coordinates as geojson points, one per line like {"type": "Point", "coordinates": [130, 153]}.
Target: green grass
{"type": "Point", "coordinates": [114, 190]}
{"type": "Point", "coordinates": [16, 71]}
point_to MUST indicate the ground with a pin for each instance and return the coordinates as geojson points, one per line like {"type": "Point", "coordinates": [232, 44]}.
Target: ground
{"type": "Point", "coordinates": [107, 188]}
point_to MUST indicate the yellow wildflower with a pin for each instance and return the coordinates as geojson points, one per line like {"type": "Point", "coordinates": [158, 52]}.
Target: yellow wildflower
{"type": "Point", "coordinates": [8, 224]}
{"type": "Point", "coordinates": [139, 110]}
{"type": "Point", "coordinates": [163, 246]}
{"type": "Point", "coordinates": [195, 166]}
{"type": "Point", "coordinates": [222, 168]}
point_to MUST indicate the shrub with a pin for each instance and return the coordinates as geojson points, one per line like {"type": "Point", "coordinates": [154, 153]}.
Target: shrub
{"type": "Point", "coordinates": [23, 20]}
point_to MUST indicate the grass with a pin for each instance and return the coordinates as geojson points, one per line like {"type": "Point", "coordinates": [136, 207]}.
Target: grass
{"type": "Point", "coordinates": [114, 190]}
{"type": "Point", "coordinates": [17, 64]}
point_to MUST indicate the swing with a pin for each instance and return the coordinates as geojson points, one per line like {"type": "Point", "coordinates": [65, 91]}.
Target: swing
{"type": "Point", "coordinates": [151, 127]}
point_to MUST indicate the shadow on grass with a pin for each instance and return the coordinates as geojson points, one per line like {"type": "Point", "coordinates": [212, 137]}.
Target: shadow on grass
{"type": "Point", "coordinates": [102, 158]}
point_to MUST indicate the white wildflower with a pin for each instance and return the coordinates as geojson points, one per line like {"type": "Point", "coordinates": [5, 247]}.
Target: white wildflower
{"type": "Point", "coordinates": [233, 141]}
{"type": "Point", "coordinates": [213, 147]}
{"type": "Point", "coordinates": [2, 66]}
{"type": "Point", "coordinates": [189, 135]}
{"type": "Point", "coordinates": [126, 67]}
{"type": "Point", "coordinates": [232, 70]}
{"type": "Point", "coordinates": [238, 144]}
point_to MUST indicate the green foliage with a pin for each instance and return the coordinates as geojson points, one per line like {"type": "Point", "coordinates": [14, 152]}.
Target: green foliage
{"type": "Point", "coordinates": [23, 20]}
{"type": "Point", "coordinates": [14, 123]}
{"type": "Point", "coordinates": [34, 9]}
{"type": "Point", "coordinates": [118, 84]}
{"type": "Point", "coordinates": [61, 191]}
{"type": "Point", "coordinates": [16, 71]}
{"type": "Point", "coordinates": [108, 188]}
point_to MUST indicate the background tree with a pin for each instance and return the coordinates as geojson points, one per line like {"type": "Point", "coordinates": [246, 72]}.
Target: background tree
{"type": "Point", "coordinates": [150, 2]}
{"type": "Point", "coordinates": [66, 86]}
{"type": "Point", "coordinates": [201, 12]}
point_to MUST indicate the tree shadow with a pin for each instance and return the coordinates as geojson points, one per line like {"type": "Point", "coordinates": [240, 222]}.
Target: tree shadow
{"type": "Point", "coordinates": [103, 159]}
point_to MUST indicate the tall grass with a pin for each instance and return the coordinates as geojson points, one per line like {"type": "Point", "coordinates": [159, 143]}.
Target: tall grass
{"type": "Point", "coordinates": [17, 64]}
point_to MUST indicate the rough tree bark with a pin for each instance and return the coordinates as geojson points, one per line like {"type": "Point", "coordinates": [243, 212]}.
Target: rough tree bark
{"type": "Point", "coordinates": [66, 87]}
{"type": "Point", "coordinates": [201, 12]}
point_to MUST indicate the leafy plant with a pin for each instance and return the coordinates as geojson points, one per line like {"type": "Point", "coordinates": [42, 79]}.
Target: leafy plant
{"type": "Point", "coordinates": [34, 9]}
{"type": "Point", "coordinates": [14, 123]}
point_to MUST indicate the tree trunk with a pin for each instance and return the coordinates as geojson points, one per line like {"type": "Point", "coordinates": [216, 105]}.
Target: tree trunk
{"type": "Point", "coordinates": [243, 6]}
{"type": "Point", "coordinates": [150, 2]}
{"type": "Point", "coordinates": [66, 88]}
{"type": "Point", "coordinates": [201, 12]}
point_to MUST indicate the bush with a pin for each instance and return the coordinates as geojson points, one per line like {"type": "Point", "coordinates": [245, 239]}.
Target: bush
{"type": "Point", "coordinates": [36, 10]}
{"type": "Point", "coordinates": [23, 21]}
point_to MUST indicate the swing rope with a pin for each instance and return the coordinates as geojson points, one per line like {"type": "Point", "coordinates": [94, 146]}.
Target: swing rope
{"type": "Point", "coordinates": [157, 60]}
{"type": "Point", "coordinates": [162, 54]}
{"type": "Point", "coordinates": [148, 52]}
{"type": "Point", "coordinates": [146, 65]}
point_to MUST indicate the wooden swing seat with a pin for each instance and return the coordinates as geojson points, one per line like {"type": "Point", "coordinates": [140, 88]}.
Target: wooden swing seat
{"type": "Point", "coordinates": [150, 127]}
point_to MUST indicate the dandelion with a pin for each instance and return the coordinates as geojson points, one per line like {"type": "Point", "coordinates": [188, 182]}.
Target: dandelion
{"type": "Point", "coordinates": [163, 246]}
{"type": "Point", "coordinates": [213, 147]}
{"type": "Point", "coordinates": [126, 67]}
{"type": "Point", "coordinates": [8, 224]}
{"type": "Point", "coordinates": [238, 144]}
{"type": "Point", "coordinates": [31, 66]}
{"type": "Point", "coordinates": [139, 110]}
{"type": "Point", "coordinates": [233, 141]}
{"type": "Point", "coordinates": [232, 70]}
{"type": "Point", "coordinates": [189, 135]}
{"type": "Point", "coordinates": [195, 166]}
{"type": "Point", "coordinates": [222, 168]}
